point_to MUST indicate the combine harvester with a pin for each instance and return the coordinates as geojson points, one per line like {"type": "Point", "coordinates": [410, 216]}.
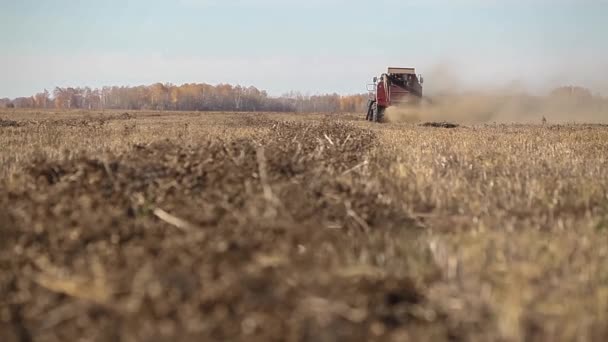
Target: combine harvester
{"type": "Point", "coordinates": [399, 86]}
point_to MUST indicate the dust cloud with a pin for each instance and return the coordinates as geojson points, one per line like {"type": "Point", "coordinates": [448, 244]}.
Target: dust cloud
{"type": "Point", "coordinates": [448, 99]}
{"type": "Point", "coordinates": [478, 108]}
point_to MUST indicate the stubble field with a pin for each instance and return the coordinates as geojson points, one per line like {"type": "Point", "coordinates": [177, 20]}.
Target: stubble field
{"type": "Point", "coordinates": [150, 226]}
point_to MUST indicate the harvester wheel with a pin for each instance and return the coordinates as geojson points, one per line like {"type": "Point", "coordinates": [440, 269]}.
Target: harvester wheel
{"type": "Point", "coordinates": [378, 113]}
{"type": "Point", "coordinates": [370, 110]}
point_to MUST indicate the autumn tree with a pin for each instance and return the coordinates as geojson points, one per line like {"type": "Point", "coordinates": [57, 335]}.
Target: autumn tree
{"type": "Point", "coordinates": [191, 97]}
{"type": "Point", "coordinates": [42, 100]}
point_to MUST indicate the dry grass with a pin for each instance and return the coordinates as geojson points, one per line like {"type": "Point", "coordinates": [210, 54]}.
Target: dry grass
{"type": "Point", "coordinates": [315, 227]}
{"type": "Point", "coordinates": [516, 219]}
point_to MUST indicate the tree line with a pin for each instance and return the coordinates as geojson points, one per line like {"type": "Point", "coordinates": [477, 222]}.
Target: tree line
{"type": "Point", "coordinates": [187, 97]}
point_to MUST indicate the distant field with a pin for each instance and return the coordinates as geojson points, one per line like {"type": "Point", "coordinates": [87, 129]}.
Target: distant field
{"type": "Point", "coordinates": [164, 226]}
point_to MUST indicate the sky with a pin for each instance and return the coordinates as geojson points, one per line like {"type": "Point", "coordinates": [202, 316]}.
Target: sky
{"type": "Point", "coordinates": [312, 46]}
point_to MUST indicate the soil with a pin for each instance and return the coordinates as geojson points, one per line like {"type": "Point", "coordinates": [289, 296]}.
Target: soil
{"type": "Point", "coordinates": [439, 124]}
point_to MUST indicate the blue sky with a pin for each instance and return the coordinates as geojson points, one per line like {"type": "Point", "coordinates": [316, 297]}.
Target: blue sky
{"type": "Point", "coordinates": [311, 46]}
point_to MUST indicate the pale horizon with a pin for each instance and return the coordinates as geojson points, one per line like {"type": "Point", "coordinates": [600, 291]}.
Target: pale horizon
{"type": "Point", "coordinates": [312, 47]}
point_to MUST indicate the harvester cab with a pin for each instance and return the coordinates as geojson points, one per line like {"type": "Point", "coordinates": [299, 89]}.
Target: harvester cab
{"type": "Point", "coordinates": [398, 86]}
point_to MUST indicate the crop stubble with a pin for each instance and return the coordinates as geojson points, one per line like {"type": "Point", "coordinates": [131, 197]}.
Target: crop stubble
{"type": "Point", "coordinates": [300, 229]}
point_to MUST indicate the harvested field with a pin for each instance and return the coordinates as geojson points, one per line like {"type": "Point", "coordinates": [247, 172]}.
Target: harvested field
{"type": "Point", "coordinates": [149, 226]}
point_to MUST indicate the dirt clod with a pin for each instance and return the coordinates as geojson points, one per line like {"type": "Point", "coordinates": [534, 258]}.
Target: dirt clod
{"type": "Point", "coordinates": [439, 124]}
{"type": "Point", "coordinates": [9, 123]}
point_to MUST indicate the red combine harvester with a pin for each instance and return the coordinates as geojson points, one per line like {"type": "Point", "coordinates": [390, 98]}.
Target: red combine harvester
{"type": "Point", "coordinates": [399, 86]}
